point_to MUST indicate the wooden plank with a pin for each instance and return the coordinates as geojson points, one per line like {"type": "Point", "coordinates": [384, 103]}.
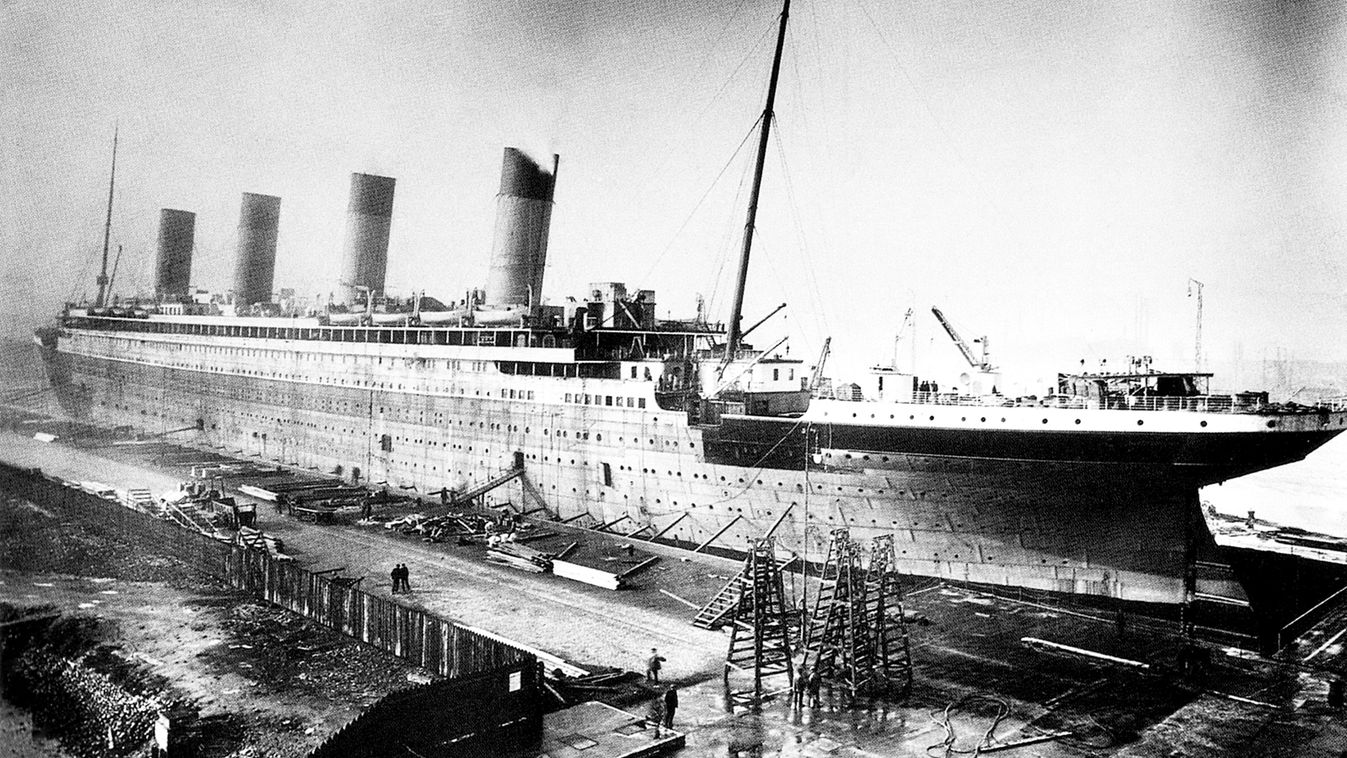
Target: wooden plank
{"type": "Point", "coordinates": [595, 577]}
{"type": "Point", "coordinates": [716, 536]}
{"type": "Point", "coordinates": [643, 565]}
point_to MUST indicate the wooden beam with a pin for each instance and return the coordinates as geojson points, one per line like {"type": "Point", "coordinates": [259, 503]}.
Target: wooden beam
{"type": "Point", "coordinates": [716, 536]}
{"type": "Point", "coordinates": [671, 525]}
{"type": "Point", "coordinates": [688, 603]}
{"type": "Point", "coordinates": [605, 527]}
{"type": "Point", "coordinates": [778, 521]}
{"type": "Point", "coordinates": [638, 567]}
{"type": "Point", "coordinates": [565, 551]}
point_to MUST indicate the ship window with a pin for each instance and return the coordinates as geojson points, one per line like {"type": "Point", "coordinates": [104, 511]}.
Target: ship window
{"type": "Point", "coordinates": [633, 372]}
{"type": "Point", "coordinates": [640, 402]}
{"type": "Point", "coordinates": [607, 399]}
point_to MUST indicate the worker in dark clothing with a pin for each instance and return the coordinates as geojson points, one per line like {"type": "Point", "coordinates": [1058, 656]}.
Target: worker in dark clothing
{"type": "Point", "coordinates": [812, 685]}
{"type": "Point", "coordinates": [670, 705]}
{"type": "Point", "coordinates": [798, 687]}
{"type": "Point", "coordinates": [652, 666]}
{"type": "Point", "coordinates": [406, 579]}
{"type": "Point", "coordinates": [396, 576]}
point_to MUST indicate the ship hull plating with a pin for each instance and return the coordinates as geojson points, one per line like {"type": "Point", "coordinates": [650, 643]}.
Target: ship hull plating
{"type": "Point", "coordinates": [1107, 526]}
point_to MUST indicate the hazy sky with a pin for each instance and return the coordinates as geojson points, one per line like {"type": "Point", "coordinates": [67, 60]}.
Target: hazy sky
{"type": "Point", "coordinates": [1050, 174]}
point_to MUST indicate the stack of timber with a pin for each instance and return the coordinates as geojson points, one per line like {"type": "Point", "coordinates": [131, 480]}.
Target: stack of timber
{"type": "Point", "coordinates": [520, 557]}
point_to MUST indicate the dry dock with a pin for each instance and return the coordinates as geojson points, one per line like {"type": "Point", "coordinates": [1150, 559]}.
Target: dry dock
{"type": "Point", "coordinates": [978, 684]}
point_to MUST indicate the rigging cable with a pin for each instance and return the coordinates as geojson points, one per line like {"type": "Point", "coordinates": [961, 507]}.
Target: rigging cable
{"type": "Point", "coordinates": [702, 199]}
{"type": "Point", "coordinates": [817, 293]}
{"type": "Point", "coordinates": [727, 238]}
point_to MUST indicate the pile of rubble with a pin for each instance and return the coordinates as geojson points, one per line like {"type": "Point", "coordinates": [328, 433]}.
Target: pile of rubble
{"type": "Point", "coordinates": [54, 667]}
{"type": "Point", "coordinates": [282, 652]}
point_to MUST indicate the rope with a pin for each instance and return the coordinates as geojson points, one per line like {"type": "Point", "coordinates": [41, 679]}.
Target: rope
{"type": "Point", "coordinates": [941, 719]}
{"type": "Point", "coordinates": [702, 199]}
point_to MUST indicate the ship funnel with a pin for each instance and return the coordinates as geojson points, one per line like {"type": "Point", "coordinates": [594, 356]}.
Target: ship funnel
{"type": "Point", "coordinates": [258, 222]}
{"type": "Point", "coordinates": [523, 214]}
{"type": "Point", "coordinates": [365, 258]}
{"type": "Point", "coordinates": [173, 261]}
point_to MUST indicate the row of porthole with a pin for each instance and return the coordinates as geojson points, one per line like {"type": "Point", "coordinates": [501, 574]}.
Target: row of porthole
{"type": "Point", "coordinates": [1140, 422]}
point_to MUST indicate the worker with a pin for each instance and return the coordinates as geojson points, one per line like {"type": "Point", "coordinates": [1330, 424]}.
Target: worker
{"type": "Point", "coordinates": [798, 688]}
{"type": "Point", "coordinates": [396, 576]}
{"type": "Point", "coordinates": [670, 705]}
{"type": "Point", "coordinates": [812, 685]}
{"type": "Point", "coordinates": [406, 579]}
{"type": "Point", "coordinates": [652, 666]}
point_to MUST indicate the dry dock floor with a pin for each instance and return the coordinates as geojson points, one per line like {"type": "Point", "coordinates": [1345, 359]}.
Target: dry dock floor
{"type": "Point", "coordinates": [970, 662]}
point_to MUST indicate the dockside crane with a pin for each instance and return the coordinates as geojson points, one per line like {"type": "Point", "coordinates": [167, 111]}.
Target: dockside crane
{"type": "Point", "coordinates": [981, 364]}
{"type": "Point", "coordinates": [818, 369]}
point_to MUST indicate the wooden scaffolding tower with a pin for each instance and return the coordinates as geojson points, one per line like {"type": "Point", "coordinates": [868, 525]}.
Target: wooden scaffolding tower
{"type": "Point", "coordinates": [838, 643]}
{"type": "Point", "coordinates": [856, 635]}
{"type": "Point", "coordinates": [759, 635]}
{"type": "Point", "coordinates": [884, 607]}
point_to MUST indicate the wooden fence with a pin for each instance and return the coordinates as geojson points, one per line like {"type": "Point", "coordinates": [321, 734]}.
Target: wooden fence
{"type": "Point", "coordinates": [424, 639]}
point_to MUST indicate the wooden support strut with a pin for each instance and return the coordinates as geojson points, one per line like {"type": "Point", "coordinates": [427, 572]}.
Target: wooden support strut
{"type": "Point", "coordinates": [671, 525]}
{"type": "Point", "coordinates": [610, 524]}
{"type": "Point", "coordinates": [778, 521]}
{"type": "Point", "coordinates": [638, 567]}
{"type": "Point", "coordinates": [716, 536]}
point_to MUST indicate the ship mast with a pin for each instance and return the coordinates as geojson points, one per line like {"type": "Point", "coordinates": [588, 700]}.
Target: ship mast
{"type": "Point", "coordinates": [107, 228]}
{"type": "Point", "coordinates": [735, 336]}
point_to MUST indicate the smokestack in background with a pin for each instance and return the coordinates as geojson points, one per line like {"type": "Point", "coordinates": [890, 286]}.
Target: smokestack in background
{"type": "Point", "coordinates": [173, 258]}
{"type": "Point", "coordinates": [259, 221]}
{"type": "Point", "coordinates": [368, 217]}
{"type": "Point", "coordinates": [523, 215]}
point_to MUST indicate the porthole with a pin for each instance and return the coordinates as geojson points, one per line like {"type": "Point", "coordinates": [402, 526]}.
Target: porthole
{"type": "Point", "coordinates": [1140, 422]}
{"type": "Point", "coordinates": [1204, 424]}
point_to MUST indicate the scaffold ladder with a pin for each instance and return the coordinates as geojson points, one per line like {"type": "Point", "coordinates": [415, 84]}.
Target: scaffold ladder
{"type": "Point", "coordinates": [759, 635]}
{"type": "Point", "coordinates": [884, 608]}
{"type": "Point", "coordinates": [838, 642]}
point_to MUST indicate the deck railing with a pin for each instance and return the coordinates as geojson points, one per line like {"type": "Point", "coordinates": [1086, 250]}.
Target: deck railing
{"type": "Point", "coordinates": [1237, 403]}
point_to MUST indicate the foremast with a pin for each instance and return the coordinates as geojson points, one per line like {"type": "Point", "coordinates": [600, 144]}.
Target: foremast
{"type": "Point", "coordinates": [735, 334]}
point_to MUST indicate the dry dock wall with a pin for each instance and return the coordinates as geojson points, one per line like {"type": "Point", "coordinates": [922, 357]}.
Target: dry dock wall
{"type": "Point", "coordinates": [475, 664]}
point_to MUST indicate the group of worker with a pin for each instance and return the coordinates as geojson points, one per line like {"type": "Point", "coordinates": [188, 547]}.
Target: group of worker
{"type": "Point", "coordinates": [401, 579]}
{"type": "Point", "coordinates": [663, 707]}
{"type": "Point", "coordinates": [804, 692]}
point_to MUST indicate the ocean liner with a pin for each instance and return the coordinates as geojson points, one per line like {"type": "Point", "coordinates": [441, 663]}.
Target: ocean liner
{"type": "Point", "coordinates": [677, 430]}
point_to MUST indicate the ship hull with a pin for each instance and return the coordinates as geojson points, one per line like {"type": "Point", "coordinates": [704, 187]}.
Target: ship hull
{"type": "Point", "coordinates": [1085, 512]}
